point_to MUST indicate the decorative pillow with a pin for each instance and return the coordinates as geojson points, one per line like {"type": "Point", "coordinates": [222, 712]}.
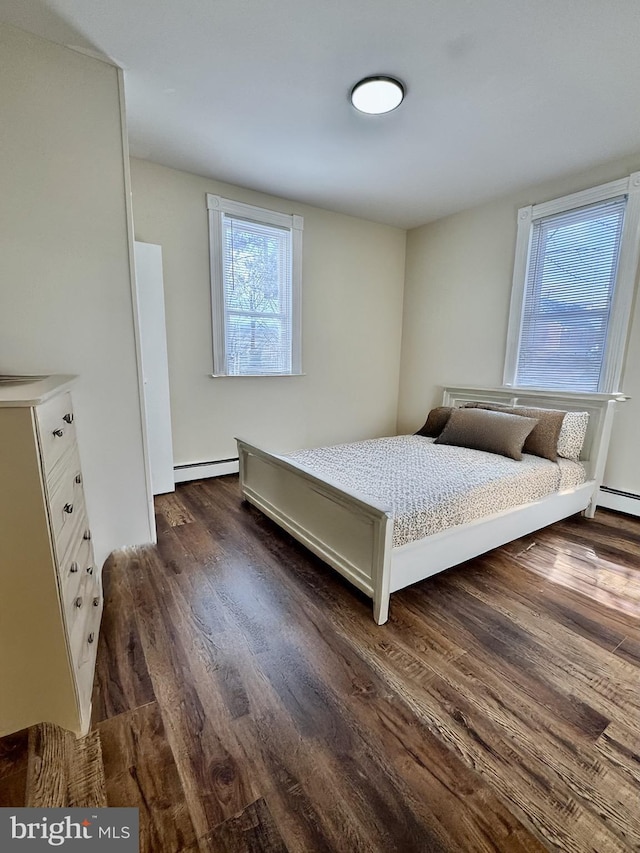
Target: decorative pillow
{"type": "Point", "coordinates": [494, 406]}
{"type": "Point", "coordinates": [482, 429]}
{"type": "Point", "coordinates": [436, 421]}
{"type": "Point", "coordinates": [543, 439]}
{"type": "Point", "coordinates": [572, 435]}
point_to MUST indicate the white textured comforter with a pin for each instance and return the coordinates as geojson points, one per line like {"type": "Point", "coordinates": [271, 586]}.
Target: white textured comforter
{"type": "Point", "coordinates": [434, 487]}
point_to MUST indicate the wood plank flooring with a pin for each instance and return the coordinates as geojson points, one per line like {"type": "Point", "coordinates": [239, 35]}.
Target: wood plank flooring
{"type": "Point", "coordinates": [246, 701]}
{"type": "Point", "coordinates": [47, 767]}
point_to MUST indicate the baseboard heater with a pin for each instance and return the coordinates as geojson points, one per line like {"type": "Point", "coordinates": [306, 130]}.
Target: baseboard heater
{"type": "Point", "coordinates": [202, 470]}
{"type": "Point", "coordinates": [621, 501]}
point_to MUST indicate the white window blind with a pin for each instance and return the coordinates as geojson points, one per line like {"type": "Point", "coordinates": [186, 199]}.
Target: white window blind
{"type": "Point", "coordinates": [569, 289]}
{"type": "Point", "coordinates": [574, 275]}
{"type": "Point", "coordinates": [257, 297]}
{"type": "Point", "coordinates": [255, 271]}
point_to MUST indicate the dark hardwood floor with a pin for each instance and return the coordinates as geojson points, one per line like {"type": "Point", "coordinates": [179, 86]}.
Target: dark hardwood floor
{"type": "Point", "coordinates": [246, 701]}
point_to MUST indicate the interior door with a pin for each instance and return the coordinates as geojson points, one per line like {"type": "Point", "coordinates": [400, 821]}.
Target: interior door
{"type": "Point", "coordinates": [155, 365]}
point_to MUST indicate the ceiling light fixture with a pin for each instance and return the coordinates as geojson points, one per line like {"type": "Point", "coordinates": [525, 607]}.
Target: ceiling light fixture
{"type": "Point", "coordinates": [377, 95]}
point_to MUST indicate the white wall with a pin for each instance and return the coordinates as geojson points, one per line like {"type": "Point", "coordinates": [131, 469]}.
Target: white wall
{"type": "Point", "coordinates": [456, 311]}
{"type": "Point", "coordinates": [65, 298]}
{"type": "Point", "coordinates": [353, 277]}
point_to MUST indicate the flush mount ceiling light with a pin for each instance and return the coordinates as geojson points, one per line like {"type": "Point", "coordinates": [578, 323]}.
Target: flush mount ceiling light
{"type": "Point", "coordinates": [377, 95]}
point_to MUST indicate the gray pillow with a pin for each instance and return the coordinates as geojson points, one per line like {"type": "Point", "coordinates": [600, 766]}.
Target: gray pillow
{"type": "Point", "coordinates": [481, 429]}
{"type": "Point", "coordinates": [543, 439]}
{"type": "Point", "coordinates": [436, 421]}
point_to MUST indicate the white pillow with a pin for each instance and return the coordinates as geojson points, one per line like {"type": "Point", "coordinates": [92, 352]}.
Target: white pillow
{"type": "Point", "coordinates": [572, 435]}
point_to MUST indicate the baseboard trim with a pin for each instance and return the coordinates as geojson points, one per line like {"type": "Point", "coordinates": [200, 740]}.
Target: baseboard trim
{"type": "Point", "coordinates": [618, 500]}
{"type": "Point", "coordinates": [204, 470]}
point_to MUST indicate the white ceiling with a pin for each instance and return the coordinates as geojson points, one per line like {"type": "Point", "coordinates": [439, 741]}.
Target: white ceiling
{"type": "Point", "coordinates": [500, 93]}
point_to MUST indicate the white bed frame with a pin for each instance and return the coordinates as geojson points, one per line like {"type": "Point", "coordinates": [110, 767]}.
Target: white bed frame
{"type": "Point", "coordinates": [354, 534]}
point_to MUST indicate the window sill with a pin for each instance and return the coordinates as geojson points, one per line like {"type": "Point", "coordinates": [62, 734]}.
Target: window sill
{"type": "Point", "coordinates": [253, 375]}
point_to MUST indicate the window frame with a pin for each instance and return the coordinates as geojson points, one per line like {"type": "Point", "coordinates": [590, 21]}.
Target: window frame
{"type": "Point", "coordinates": [217, 207]}
{"type": "Point", "coordinates": [623, 295]}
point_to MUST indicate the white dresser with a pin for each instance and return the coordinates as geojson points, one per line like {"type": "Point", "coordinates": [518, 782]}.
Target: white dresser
{"type": "Point", "coordinates": [50, 588]}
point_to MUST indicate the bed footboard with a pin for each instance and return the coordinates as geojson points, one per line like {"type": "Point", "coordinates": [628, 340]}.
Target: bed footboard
{"type": "Point", "coordinates": [344, 529]}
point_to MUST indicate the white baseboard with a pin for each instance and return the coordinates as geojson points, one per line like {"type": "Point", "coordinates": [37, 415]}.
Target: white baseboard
{"type": "Point", "coordinates": [620, 501]}
{"type": "Point", "coordinates": [203, 470]}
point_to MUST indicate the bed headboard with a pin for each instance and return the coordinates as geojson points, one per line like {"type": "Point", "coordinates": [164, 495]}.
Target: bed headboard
{"type": "Point", "coordinates": [600, 407]}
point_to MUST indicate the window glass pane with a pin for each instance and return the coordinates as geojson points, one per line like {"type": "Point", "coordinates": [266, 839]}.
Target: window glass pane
{"type": "Point", "coordinates": [257, 282]}
{"type": "Point", "coordinates": [257, 345]}
{"type": "Point", "coordinates": [569, 292]}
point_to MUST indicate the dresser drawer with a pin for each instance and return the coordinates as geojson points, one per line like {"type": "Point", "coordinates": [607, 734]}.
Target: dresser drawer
{"type": "Point", "coordinates": [85, 672]}
{"type": "Point", "coordinates": [76, 605]}
{"type": "Point", "coordinates": [56, 429]}
{"type": "Point", "coordinates": [66, 505]}
{"type": "Point", "coordinates": [83, 636]}
{"type": "Point", "coordinates": [82, 589]}
{"type": "Point", "coordinates": [74, 564]}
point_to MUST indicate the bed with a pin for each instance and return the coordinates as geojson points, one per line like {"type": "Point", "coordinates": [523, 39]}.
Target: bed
{"type": "Point", "coordinates": [380, 538]}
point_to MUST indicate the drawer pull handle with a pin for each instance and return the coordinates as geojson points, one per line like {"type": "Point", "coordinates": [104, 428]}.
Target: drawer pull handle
{"type": "Point", "coordinates": [74, 568]}
{"type": "Point", "coordinates": [78, 601]}
{"type": "Point", "coordinates": [68, 508]}
{"type": "Point", "coordinates": [68, 418]}
{"type": "Point", "coordinates": [91, 637]}
{"type": "Point", "coordinates": [86, 535]}
{"type": "Point", "coordinates": [78, 478]}
{"type": "Point", "coordinates": [96, 602]}
{"type": "Point", "coordinates": [89, 570]}
{"type": "Point", "coordinates": [58, 433]}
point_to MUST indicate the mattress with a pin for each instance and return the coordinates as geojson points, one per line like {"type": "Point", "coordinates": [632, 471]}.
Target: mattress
{"type": "Point", "coordinates": [432, 487]}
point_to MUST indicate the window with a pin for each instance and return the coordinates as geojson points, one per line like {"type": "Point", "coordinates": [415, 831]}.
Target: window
{"type": "Point", "coordinates": [256, 262]}
{"type": "Point", "coordinates": [574, 275]}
